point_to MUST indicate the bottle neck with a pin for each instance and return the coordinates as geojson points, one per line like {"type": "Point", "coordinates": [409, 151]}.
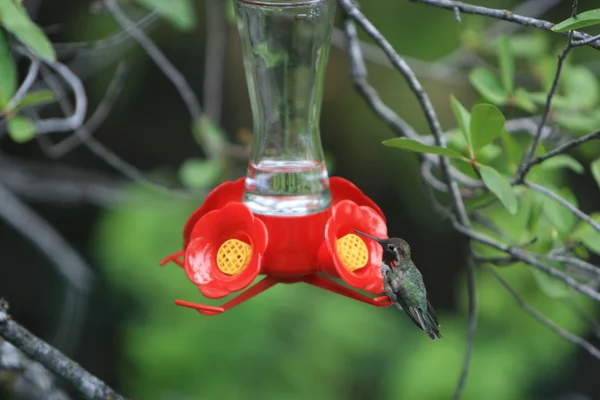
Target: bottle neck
{"type": "Point", "coordinates": [286, 50]}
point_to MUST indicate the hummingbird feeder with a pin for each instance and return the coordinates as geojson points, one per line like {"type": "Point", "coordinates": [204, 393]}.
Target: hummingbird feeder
{"type": "Point", "coordinates": [287, 219]}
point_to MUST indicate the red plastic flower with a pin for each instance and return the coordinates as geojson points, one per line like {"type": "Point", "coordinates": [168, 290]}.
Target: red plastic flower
{"type": "Point", "coordinates": [233, 191]}
{"type": "Point", "coordinates": [225, 250]}
{"type": "Point", "coordinates": [342, 189]}
{"type": "Point", "coordinates": [227, 192]}
{"type": "Point", "coordinates": [225, 247]}
{"type": "Point", "coordinates": [355, 259]}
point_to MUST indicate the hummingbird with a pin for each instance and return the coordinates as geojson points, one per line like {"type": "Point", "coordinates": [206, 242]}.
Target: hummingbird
{"type": "Point", "coordinates": [403, 284]}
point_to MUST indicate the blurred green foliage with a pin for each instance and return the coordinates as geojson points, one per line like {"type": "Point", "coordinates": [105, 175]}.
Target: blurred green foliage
{"type": "Point", "coordinates": [296, 342]}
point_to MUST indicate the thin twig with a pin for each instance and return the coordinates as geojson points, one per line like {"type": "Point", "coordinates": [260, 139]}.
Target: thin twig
{"type": "Point", "coordinates": [167, 68]}
{"type": "Point", "coordinates": [40, 233]}
{"type": "Point", "coordinates": [106, 154]}
{"type": "Point", "coordinates": [430, 179]}
{"type": "Point", "coordinates": [24, 378]}
{"type": "Point", "coordinates": [576, 211]}
{"type": "Point", "coordinates": [505, 15]}
{"type": "Point", "coordinates": [525, 163]}
{"type": "Point", "coordinates": [531, 8]}
{"type": "Point", "coordinates": [98, 117]}
{"type": "Point", "coordinates": [527, 258]}
{"type": "Point", "coordinates": [453, 67]}
{"type": "Point", "coordinates": [585, 42]}
{"type": "Point", "coordinates": [32, 74]}
{"type": "Point", "coordinates": [565, 148]}
{"type": "Point", "coordinates": [472, 328]}
{"type": "Point", "coordinates": [74, 120]}
{"type": "Point", "coordinates": [67, 334]}
{"type": "Point", "coordinates": [590, 320]}
{"type": "Point", "coordinates": [44, 182]}
{"type": "Point", "coordinates": [593, 270]}
{"type": "Point", "coordinates": [359, 77]}
{"type": "Point", "coordinates": [400, 64]}
{"type": "Point", "coordinates": [358, 71]}
{"type": "Point", "coordinates": [431, 70]}
{"type": "Point", "coordinates": [131, 172]}
{"type": "Point", "coordinates": [537, 127]}
{"type": "Point", "coordinates": [587, 346]}
{"type": "Point", "coordinates": [214, 58]}
{"type": "Point", "coordinates": [86, 384]}
{"type": "Point", "coordinates": [109, 43]}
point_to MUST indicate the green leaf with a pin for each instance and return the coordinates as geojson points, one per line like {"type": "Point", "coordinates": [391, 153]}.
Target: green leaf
{"type": "Point", "coordinates": [464, 119]}
{"type": "Point", "coordinates": [536, 212]}
{"type": "Point", "coordinates": [230, 11]}
{"type": "Point", "coordinates": [514, 227]}
{"type": "Point", "coordinates": [507, 64]}
{"type": "Point", "coordinates": [577, 122]}
{"type": "Point", "coordinates": [269, 57]}
{"type": "Point", "coordinates": [581, 252]}
{"type": "Point", "coordinates": [482, 201]}
{"type": "Point", "coordinates": [330, 162]}
{"type": "Point", "coordinates": [500, 186]}
{"type": "Point", "coordinates": [197, 173]}
{"type": "Point", "coordinates": [587, 18]}
{"type": "Point", "coordinates": [209, 135]}
{"type": "Point", "coordinates": [523, 100]}
{"type": "Point", "coordinates": [551, 286]}
{"type": "Point", "coordinates": [21, 129]}
{"type": "Point", "coordinates": [180, 13]}
{"type": "Point", "coordinates": [413, 145]}
{"type": "Point", "coordinates": [488, 85]}
{"type": "Point", "coordinates": [581, 86]}
{"type": "Point", "coordinates": [540, 98]}
{"type": "Point", "coordinates": [530, 45]}
{"type": "Point", "coordinates": [561, 218]}
{"type": "Point", "coordinates": [16, 20]}
{"type": "Point", "coordinates": [514, 152]}
{"type": "Point", "coordinates": [595, 167]}
{"type": "Point", "coordinates": [588, 235]}
{"type": "Point", "coordinates": [36, 98]}
{"type": "Point", "coordinates": [489, 153]}
{"type": "Point", "coordinates": [487, 123]}
{"type": "Point", "coordinates": [563, 161]}
{"type": "Point", "coordinates": [8, 73]}
{"type": "Point", "coordinates": [544, 68]}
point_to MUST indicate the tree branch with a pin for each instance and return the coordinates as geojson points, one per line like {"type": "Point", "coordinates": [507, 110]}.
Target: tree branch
{"type": "Point", "coordinates": [527, 258]}
{"type": "Point", "coordinates": [587, 346]}
{"type": "Point", "coordinates": [22, 378]}
{"type": "Point", "coordinates": [505, 15]}
{"type": "Point", "coordinates": [74, 120]}
{"type": "Point", "coordinates": [65, 259]}
{"type": "Point", "coordinates": [472, 328]}
{"type": "Point", "coordinates": [353, 12]}
{"type": "Point", "coordinates": [86, 384]}
{"type": "Point", "coordinates": [576, 211]}
{"type": "Point", "coordinates": [565, 148]}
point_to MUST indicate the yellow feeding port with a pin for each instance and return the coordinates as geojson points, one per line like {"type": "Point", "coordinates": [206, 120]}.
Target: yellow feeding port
{"type": "Point", "coordinates": [233, 256]}
{"type": "Point", "coordinates": [352, 251]}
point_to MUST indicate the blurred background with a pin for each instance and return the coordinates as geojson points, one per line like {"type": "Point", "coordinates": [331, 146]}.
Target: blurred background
{"type": "Point", "coordinates": [292, 342]}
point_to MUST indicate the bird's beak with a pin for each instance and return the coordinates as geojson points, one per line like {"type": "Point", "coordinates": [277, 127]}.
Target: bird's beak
{"type": "Point", "coordinates": [369, 236]}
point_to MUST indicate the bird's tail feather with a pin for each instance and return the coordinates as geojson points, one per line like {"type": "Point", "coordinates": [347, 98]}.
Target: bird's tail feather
{"type": "Point", "coordinates": [431, 325]}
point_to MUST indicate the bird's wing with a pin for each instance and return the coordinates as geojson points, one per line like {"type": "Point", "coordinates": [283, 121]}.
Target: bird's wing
{"type": "Point", "coordinates": [411, 311]}
{"type": "Point", "coordinates": [420, 280]}
{"type": "Point", "coordinates": [404, 299]}
{"type": "Point", "coordinates": [431, 312]}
